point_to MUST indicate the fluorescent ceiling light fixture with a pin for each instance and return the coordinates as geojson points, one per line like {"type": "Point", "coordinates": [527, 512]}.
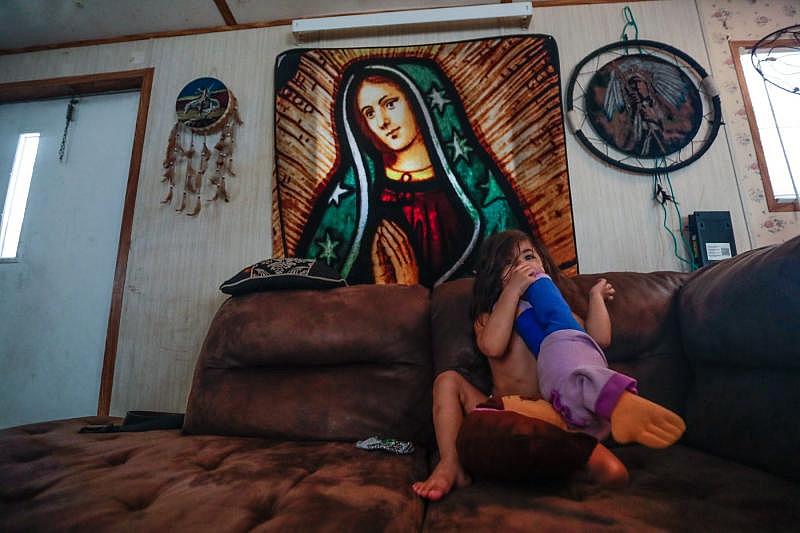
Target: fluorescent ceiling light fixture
{"type": "Point", "coordinates": [521, 11]}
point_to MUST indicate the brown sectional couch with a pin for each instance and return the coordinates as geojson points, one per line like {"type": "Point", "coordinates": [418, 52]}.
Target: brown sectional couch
{"type": "Point", "coordinates": [287, 381]}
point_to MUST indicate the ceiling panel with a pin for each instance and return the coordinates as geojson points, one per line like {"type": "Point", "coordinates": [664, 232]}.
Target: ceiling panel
{"type": "Point", "coordinates": [40, 22]}
{"type": "Point", "coordinates": [30, 23]}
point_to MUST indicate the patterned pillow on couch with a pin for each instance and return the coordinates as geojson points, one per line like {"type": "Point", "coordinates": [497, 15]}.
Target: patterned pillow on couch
{"type": "Point", "coordinates": [280, 274]}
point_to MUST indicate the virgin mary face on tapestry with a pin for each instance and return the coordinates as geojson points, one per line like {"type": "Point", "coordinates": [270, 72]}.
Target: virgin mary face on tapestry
{"type": "Point", "coordinates": [412, 189]}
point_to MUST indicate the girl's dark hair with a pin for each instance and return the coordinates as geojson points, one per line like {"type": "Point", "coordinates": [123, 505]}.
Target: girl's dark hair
{"type": "Point", "coordinates": [496, 254]}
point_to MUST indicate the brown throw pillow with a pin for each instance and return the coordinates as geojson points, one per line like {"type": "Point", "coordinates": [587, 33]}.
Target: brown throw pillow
{"type": "Point", "coordinates": [508, 446]}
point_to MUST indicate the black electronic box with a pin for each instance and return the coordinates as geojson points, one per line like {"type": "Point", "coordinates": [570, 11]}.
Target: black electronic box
{"type": "Point", "coordinates": [712, 236]}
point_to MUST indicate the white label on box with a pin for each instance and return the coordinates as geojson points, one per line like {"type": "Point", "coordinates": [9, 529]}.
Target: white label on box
{"type": "Point", "coordinates": [717, 251]}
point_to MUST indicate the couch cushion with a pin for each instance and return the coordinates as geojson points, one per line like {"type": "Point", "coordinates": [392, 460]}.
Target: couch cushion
{"type": "Point", "coordinates": [643, 312]}
{"type": "Point", "coordinates": [53, 478]}
{"type": "Point", "coordinates": [677, 489]}
{"type": "Point", "coordinates": [749, 415]}
{"type": "Point", "coordinates": [453, 341]}
{"type": "Point", "coordinates": [744, 311]}
{"type": "Point", "coordinates": [739, 320]}
{"type": "Point", "coordinates": [645, 342]}
{"type": "Point", "coordinates": [342, 364]}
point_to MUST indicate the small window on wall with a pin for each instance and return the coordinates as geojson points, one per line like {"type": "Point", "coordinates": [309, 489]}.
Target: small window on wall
{"type": "Point", "coordinates": [17, 194]}
{"type": "Point", "coordinates": [774, 120]}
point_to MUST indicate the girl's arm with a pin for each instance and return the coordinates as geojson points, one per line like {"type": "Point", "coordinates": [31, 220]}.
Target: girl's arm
{"type": "Point", "coordinates": [493, 329]}
{"type": "Point", "coordinates": [598, 322]}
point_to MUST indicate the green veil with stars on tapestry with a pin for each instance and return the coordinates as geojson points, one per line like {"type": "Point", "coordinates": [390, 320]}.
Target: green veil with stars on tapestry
{"type": "Point", "coordinates": [343, 220]}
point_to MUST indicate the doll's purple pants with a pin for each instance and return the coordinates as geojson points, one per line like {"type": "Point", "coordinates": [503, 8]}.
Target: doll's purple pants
{"type": "Point", "coordinates": [573, 372]}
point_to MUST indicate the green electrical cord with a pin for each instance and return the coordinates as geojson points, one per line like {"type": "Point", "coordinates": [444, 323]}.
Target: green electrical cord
{"type": "Point", "coordinates": [659, 193]}
{"type": "Point", "coordinates": [686, 244]}
{"type": "Point", "coordinates": [630, 22]}
{"type": "Point", "coordinates": [662, 197]}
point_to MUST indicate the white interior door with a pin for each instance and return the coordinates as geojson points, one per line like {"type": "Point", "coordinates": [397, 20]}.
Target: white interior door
{"type": "Point", "coordinates": [56, 295]}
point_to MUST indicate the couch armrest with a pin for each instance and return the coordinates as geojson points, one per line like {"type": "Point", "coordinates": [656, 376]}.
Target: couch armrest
{"type": "Point", "coordinates": [342, 364]}
{"type": "Point", "coordinates": [740, 325]}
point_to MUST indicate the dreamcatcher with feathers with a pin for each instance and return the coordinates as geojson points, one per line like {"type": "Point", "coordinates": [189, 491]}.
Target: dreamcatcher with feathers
{"type": "Point", "coordinates": [204, 107]}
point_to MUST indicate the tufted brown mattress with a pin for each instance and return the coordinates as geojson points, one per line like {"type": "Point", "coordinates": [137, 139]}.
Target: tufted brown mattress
{"type": "Point", "coordinates": [54, 478]}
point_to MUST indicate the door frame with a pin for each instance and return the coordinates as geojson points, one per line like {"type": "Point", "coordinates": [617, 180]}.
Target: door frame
{"type": "Point", "coordinates": [97, 84]}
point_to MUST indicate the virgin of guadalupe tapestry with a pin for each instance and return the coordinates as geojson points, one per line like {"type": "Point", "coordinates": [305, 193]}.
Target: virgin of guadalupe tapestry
{"type": "Point", "coordinates": [394, 164]}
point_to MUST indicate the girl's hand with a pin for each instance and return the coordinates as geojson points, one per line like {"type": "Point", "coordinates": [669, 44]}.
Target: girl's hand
{"type": "Point", "coordinates": [602, 289]}
{"type": "Point", "coordinates": [520, 277]}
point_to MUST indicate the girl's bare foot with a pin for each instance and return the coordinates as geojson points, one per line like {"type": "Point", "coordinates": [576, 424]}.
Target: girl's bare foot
{"type": "Point", "coordinates": [446, 476]}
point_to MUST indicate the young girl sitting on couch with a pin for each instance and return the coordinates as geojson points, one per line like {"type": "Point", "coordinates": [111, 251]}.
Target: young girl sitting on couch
{"type": "Point", "coordinates": [536, 347]}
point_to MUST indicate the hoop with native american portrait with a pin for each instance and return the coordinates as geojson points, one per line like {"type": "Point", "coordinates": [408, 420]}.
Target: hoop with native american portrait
{"type": "Point", "coordinates": [643, 106]}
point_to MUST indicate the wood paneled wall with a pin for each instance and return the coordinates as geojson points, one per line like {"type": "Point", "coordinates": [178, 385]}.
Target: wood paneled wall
{"type": "Point", "coordinates": [177, 262]}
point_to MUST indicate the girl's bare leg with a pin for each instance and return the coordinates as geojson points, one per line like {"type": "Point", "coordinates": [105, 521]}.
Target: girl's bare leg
{"type": "Point", "coordinates": [452, 397]}
{"type": "Point", "coordinates": [604, 468]}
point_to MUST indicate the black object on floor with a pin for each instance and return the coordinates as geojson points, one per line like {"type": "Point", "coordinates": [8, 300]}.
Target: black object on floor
{"type": "Point", "coordinates": [140, 421]}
